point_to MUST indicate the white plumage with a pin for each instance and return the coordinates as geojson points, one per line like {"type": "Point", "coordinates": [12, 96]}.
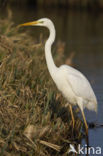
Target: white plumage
{"type": "Point", "coordinates": [72, 83]}
{"type": "Point", "coordinates": [80, 88]}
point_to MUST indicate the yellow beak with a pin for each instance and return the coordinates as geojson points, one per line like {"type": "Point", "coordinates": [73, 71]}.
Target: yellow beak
{"type": "Point", "coordinates": [28, 24]}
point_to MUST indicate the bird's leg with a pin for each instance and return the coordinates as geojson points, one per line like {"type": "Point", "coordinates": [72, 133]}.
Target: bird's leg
{"type": "Point", "coordinates": [86, 128]}
{"type": "Point", "coordinates": [71, 111]}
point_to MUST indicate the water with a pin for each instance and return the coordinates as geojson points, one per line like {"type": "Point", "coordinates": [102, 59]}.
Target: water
{"type": "Point", "coordinates": [83, 34]}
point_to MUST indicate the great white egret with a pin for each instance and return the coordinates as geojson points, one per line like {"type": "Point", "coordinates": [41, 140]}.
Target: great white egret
{"type": "Point", "coordinates": [72, 83]}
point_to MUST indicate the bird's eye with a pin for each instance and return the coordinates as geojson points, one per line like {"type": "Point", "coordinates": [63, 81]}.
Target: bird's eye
{"type": "Point", "coordinates": [41, 22]}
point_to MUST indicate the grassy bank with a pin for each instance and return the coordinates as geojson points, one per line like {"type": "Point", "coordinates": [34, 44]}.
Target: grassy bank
{"type": "Point", "coordinates": [33, 117]}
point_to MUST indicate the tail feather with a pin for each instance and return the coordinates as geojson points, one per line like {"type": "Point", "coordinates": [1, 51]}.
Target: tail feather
{"type": "Point", "coordinates": [92, 105]}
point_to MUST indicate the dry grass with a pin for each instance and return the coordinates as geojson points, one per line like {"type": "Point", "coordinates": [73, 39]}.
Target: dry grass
{"type": "Point", "coordinates": [33, 118]}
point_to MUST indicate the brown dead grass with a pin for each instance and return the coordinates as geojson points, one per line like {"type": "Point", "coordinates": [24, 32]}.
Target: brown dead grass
{"type": "Point", "coordinates": [33, 117]}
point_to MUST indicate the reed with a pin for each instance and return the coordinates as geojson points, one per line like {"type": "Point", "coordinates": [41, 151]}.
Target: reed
{"type": "Point", "coordinates": [33, 117]}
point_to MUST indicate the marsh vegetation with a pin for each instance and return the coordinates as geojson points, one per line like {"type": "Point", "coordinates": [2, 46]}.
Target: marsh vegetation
{"type": "Point", "coordinates": [34, 118]}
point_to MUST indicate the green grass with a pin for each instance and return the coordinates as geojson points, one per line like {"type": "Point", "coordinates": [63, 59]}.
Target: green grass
{"type": "Point", "coordinates": [33, 117]}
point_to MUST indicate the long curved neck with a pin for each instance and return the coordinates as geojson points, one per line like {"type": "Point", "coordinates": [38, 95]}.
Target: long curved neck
{"type": "Point", "coordinates": [49, 59]}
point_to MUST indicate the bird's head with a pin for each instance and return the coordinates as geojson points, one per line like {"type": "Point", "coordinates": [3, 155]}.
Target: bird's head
{"type": "Point", "coordinates": [41, 22]}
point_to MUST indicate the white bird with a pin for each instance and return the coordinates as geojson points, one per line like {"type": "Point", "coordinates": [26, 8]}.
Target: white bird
{"type": "Point", "coordinates": [73, 85]}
